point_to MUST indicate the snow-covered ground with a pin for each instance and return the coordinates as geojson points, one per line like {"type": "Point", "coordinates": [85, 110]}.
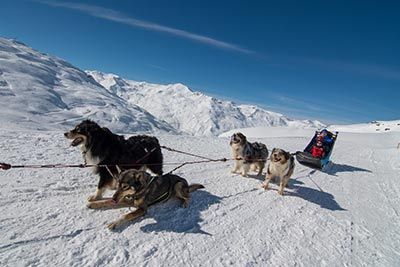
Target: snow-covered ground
{"type": "Point", "coordinates": [348, 215]}
{"type": "Point", "coordinates": [372, 127]}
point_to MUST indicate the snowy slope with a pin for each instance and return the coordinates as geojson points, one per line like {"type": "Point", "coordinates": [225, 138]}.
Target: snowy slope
{"type": "Point", "coordinates": [372, 127]}
{"type": "Point", "coordinates": [193, 112]}
{"type": "Point", "coordinates": [346, 216]}
{"type": "Point", "coordinates": [39, 91]}
{"type": "Point", "coordinates": [42, 92]}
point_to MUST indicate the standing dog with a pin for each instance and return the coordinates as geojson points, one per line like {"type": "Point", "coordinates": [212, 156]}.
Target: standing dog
{"type": "Point", "coordinates": [101, 147]}
{"type": "Point", "coordinates": [141, 190]}
{"type": "Point", "coordinates": [282, 166]}
{"type": "Point", "coordinates": [247, 155]}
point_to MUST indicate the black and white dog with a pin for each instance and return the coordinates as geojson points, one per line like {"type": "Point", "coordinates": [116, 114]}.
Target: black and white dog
{"type": "Point", "coordinates": [247, 155]}
{"type": "Point", "coordinates": [102, 147]}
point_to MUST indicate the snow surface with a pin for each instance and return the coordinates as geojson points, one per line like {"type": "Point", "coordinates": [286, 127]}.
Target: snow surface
{"type": "Point", "coordinates": [372, 127]}
{"type": "Point", "coordinates": [346, 216]}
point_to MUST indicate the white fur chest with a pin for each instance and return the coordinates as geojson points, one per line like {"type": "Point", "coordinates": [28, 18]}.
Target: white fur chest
{"type": "Point", "coordinates": [90, 159]}
{"type": "Point", "coordinates": [277, 168]}
{"type": "Point", "coordinates": [237, 150]}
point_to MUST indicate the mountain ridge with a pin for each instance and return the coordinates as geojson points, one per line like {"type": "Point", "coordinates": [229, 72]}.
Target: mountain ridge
{"type": "Point", "coordinates": [193, 112]}
{"type": "Point", "coordinates": [43, 92]}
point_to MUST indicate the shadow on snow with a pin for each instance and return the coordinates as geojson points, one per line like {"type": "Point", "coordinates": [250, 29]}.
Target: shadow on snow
{"type": "Point", "coordinates": [335, 168]}
{"type": "Point", "coordinates": [172, 217]}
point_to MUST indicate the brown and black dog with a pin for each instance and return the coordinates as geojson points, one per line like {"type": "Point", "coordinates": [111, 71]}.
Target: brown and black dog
{"type": "Point", "coordinates": [137, 188]}
{"type": "Point", "coordinates": [281, 165]}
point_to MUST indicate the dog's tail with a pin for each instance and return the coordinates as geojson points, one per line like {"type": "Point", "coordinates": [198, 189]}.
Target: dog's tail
{"type": "Point", "coordinates": [194, 187]}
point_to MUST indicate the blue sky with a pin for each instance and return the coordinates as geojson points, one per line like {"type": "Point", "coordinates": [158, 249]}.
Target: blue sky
{"type": "Point", "coordinates": [336, 61]}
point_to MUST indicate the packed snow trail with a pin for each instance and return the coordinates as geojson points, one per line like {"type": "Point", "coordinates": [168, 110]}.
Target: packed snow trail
{"type": "Point", "coordinates": [347, 215]}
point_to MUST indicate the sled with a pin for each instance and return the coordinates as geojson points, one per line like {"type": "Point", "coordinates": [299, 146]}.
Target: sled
{"type": "Point", "coordinates": [305, 158]}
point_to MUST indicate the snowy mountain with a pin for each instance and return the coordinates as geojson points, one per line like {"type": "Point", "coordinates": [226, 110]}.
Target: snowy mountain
{"type": "Point", "coordinates": [193, 112]}
{"type": "Point", "coordinates": [43, 92]}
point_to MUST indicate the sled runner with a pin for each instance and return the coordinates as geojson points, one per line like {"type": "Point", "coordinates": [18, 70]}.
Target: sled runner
{"type": "Point", "coordinates": [328, 141]}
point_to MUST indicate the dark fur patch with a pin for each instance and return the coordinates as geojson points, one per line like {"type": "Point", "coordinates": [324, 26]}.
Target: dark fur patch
{"type": "Point", "coordinates": [113, 149]}
{"type": "Point", "coordinates": [152, 189]}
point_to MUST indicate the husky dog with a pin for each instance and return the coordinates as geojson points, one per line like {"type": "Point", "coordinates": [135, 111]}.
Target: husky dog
{"type": "Point", "coordinates": [282, 166]}
{"type": "Point", "coordinates": [247, 155]}
{"type": "Point", "coordinates": [101, 147]}
{"type": "Point", "coordinates": [137, 188]}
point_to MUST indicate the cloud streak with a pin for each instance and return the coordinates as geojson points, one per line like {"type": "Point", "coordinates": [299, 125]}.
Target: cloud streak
{"type": "Point", "coordinates": [112, 15]}
{"type": "Point", "coordinates": [359, 68]}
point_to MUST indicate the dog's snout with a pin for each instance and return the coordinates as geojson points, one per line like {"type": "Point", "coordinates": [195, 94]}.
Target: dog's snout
{"type": "Point", "coordinates": [115, 196]}
{"type": "Point", "coordinates": [66, 134]}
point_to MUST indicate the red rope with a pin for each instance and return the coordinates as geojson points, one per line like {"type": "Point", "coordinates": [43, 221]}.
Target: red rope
{"type": "Point", "coordinates": [185, 153]}
{"type": "Point", "coordinates": [6, 166]}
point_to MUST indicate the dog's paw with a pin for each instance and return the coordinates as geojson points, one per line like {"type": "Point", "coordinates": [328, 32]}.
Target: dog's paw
{"type": "Point", "coordinates": [92, 198]}
{"type": "Point", "coordinates": [280, 192]}
{"type": "Point", "coordinates": [91, 205]}
{"type": "Point", "coordinates": [265, 186]}
{"type": "Point", "coordinates": [233, 171]}
{"type": "Point", "coordinates": [244, 174]}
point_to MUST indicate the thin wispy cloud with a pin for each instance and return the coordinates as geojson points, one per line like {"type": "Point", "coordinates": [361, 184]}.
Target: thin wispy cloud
{"type": "Point", "coordinates": [329, 111]}
{"type": "Point", "coordinates": [157, 67]}
{"type": "Point", "coordinates": [112, 15]}
{"type": "Point", "coordinates": [360, 68]}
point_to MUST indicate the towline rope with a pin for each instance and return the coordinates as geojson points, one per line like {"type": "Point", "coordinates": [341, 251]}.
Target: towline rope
{"type": "Point", "coordinates": [6, 166]}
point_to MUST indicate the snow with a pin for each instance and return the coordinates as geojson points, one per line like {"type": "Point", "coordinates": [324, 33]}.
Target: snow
{"type": "Point", "coordinates": [42, 92]}
{"type": "Point", "coordinates": [372, 127]}
{"type": "Point", "coordinates": [193, 112]}
{"type": "Point", "coordinates": [347, 215]}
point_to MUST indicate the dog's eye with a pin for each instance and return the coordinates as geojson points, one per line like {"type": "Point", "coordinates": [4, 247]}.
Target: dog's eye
{"type": "Point", "coordinates": [125, 187]}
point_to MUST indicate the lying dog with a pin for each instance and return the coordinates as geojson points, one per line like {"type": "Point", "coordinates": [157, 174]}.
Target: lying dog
{"type": "Point", "coordinates": [141, 190]}
{"type": "Point", "coordinates": [100, 146]}
{"type": "Point", "coordinates": [247, 155]}
{"type": "Point", "coordinates": [282, 166]}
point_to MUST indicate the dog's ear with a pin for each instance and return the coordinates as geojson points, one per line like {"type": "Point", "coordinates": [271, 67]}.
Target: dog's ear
{"type": "Point", "coordinates": [142, 175]}
{"type": "Point", "coordinates": [143, 168]}
{"type": "Point", "coordinates": [232, 139]}
{"type": "Point", "coordinates": [287, 155]}
{"type": "Point", "coordinates": [242, 137]}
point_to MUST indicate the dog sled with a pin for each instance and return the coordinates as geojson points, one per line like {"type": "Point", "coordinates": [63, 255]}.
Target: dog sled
{"type": "Point", "coordinates": [307, 159]}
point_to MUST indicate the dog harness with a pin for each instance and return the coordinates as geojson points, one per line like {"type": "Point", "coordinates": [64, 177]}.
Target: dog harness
{"type": "Point", "coordinates": [160, 198]}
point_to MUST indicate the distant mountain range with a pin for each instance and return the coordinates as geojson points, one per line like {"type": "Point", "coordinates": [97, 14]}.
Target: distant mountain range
{"type": "Point", "coordinates": [42, 92]}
